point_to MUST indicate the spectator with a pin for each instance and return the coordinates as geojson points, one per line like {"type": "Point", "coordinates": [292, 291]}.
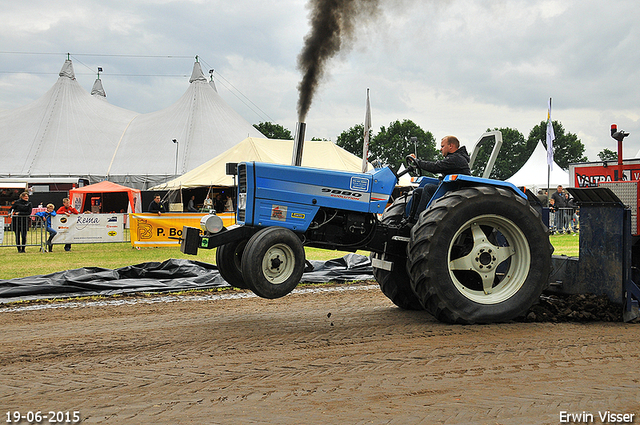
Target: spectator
{"type": "Point", "coordinates": [559, 198]}
{"type": "Point", "coordinates": [191, 206]}
{"type": "Point", "coordinates": [574, 213]}
{"type": "Point", "coordinates": [219, 203]}
{"type": "Point", "coordinates": [156, 206]}
{"type": "Point", "coordinates": [21, 211]}
{"type": "Point", "coordinates": [208, 203]}
{"type": "Point", "coordinates": [46, 215]}
{"type": "Point", "coordinates": [228, 205]}
{"type": "Point", "coordinates": [67, 210]}
{"type": "Point", "coordinates": [569, 201]}
{"type": "Point", "coordinates": [542, 198]}
{"type": "Point", "coordinates": [552, 215]}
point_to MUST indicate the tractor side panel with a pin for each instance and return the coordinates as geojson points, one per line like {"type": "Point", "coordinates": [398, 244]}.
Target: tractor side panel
{"type": "Point", "coordinates": [291, 215]}
{"type": "Point", "coordinates": [288, 196]}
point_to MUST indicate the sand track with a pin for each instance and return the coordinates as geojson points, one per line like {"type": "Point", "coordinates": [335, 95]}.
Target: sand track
{"type": "Point", "coordinates": [343, 357]}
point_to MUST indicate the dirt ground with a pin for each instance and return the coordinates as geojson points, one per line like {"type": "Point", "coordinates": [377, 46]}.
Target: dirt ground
{"type": "Point", "coordinates": [329, 357]}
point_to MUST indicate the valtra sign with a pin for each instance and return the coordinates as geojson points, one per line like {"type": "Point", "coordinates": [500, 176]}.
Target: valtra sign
{"type": "Point", "coordinates": [592, 173]}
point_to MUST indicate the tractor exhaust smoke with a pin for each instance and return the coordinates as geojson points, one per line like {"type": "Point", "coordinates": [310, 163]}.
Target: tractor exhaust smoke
{"type": "Point", "coordinates": [332, 29]}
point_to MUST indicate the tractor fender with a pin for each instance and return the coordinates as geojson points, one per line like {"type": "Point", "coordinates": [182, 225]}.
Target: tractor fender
{"type": "Point", "coordinates": [458, 181]}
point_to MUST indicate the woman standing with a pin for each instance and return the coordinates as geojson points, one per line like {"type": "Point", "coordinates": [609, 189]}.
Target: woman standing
{"type": "Point", "coordinates": [21, 211]}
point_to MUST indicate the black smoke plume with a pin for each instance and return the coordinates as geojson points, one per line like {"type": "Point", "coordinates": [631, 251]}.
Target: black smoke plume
{"type": "Point", "coordinates": [333, 25]}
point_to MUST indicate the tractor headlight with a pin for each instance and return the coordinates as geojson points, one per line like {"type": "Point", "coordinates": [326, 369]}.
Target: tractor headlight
{"type": "Point", "coordinates": [242, 201]}
{"type": "Point", "coordinates": [211, 223]}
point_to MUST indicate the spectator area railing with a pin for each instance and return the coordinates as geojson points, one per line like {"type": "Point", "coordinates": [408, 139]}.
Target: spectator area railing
{"type": "Point", "coordinates": [37, 234]}
{"type": "Point", "coordinates": [36, 231]}
{"type": "Point", "coordinates": [564, 220]}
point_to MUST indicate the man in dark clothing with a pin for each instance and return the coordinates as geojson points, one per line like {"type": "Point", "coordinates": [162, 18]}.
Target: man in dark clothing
{"type": "Point", "coordinates": [456, 158]}
{"type": "Point", "coordinates": [156, 206]}
{"type": "Point", "coordinates": [456, 161]}
{"type": "Point", "coordinates": [559, 198]}
{"type": "Point", "coordinates": [21, 210]}
{"type": "Point", "coordinates": [562, 215]}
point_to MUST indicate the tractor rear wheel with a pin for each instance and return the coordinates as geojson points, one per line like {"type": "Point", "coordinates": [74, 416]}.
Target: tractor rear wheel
{"type": "Point", "coordinates": [229, 262]}
{"type": "Point", "coordinates": [479, 255]}
{"type": "Point", "coordinates": [396, 284]}
{"type": "Point", "coordinates": [273, 262]}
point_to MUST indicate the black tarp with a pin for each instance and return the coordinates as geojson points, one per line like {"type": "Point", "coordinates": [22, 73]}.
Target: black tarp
{"type": "Point", "coordinates": [170, 275]}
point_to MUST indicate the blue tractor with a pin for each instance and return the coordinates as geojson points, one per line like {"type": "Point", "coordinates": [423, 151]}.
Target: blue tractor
{"type": "Point", "coordinates": [478, 253]}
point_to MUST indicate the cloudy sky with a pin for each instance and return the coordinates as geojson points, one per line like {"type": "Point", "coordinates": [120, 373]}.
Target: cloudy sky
{"type": "Point", "coordinates": [452, 66]}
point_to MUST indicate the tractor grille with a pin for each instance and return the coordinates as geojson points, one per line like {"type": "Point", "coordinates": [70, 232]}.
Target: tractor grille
{"type": "Point", "coordinates": [242, 191]}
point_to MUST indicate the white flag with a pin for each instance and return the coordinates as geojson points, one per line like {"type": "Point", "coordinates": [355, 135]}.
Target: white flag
{"type": "Point", "coordinates": [367, 127]}
{"type": "Point", "coordinates": [550, 138]}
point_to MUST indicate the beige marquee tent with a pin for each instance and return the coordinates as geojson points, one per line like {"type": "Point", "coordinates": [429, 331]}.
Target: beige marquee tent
{"type": "Point", "coordinates": [316, 154]}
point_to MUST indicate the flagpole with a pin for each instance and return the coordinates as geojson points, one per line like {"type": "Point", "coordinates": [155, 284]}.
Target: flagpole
{"type": "Point", "coordinates": [550, 137]}
{"type": "Point", "coordinates": [548, 183]}
{"type": "Point", "coordinates": [367, 127]}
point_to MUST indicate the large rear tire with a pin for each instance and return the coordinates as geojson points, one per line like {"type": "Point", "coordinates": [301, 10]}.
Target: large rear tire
{"type": "Point", "coordinates": [396, 284]}
{"type": "Point", "coordinates": [479, 255]}
{"type": "Point", "coordinates": [229, 262]}
{"type": "Point", "coordinates": [273, 262]}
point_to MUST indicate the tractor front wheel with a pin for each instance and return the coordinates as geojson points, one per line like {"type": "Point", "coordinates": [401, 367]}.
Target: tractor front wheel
{"type": "Point", "coordinates": [229, 262]}
{"type": "Point", "coordinates": [273, 262]}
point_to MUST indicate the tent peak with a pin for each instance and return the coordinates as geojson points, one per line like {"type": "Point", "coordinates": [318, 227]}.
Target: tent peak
{"type": "Point", "coordinates": [97, 89]}
{"type": "Point", "coordinates": [197, 74]}
{"type": "Point", "coordinates": [67, 70]}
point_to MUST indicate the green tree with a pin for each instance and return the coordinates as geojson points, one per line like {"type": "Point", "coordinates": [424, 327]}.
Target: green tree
{"type": "Point", "coordinates": [352, 139]}
{"type": "Point", "coordinates": [274, 131]}
{"type": "Point", "coordinates": [391, 145]}
{"type": "Point", "coordinates": [512, 156]}
{"type": "Point", "coordinates": [567, 148]}
{"type": "Point", "coordinates": [607, 155]}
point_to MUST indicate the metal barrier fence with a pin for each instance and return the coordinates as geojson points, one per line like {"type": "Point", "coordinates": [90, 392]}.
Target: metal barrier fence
{"type": "Point", "coordinates": [564, 220]}
{"type": "Point", "coordinates": [31, 227]}
{"type": "Point", "coordinates": [34, 229]}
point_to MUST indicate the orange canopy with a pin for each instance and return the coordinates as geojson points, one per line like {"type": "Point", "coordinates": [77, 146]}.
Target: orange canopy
{"type": "Point", "coordinates": [113, 197]}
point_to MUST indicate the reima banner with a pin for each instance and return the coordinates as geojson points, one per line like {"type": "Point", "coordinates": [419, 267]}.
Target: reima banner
{"type": "Point", "coordinates": [152, 230]}
{"type": "Point", "coordinates": [88, 228]}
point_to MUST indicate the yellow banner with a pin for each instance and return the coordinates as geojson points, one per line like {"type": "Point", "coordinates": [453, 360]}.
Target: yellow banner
{"type": "Point", "coordinates": [152, 230]}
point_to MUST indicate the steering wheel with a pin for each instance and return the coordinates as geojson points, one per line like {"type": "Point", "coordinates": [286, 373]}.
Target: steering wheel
{"type": "Point", "coordinates": [412, 165]}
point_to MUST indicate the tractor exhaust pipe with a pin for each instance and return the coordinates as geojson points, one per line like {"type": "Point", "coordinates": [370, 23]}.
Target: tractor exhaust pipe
{"type": "Point", "coordinates": [298, 144]}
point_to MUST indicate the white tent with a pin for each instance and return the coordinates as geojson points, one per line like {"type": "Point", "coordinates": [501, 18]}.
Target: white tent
{"type": "Point", "coordinates": [71, 133]}
{"type": "Point", "coordinates": [534, 172]}
{"type": "Point", "coordinates": [66, 132]}
{"type": "Point", "coordinates": [202, 124]}
{"type": "Point", "coordinates": [315, 154]}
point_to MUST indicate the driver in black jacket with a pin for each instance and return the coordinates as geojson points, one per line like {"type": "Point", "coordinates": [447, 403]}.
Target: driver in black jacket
{"type": "Point", "coordinates": [456, 161]}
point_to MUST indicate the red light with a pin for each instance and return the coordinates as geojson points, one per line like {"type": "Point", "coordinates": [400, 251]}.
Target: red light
{"type": "Point", "coordinates": [614, 128]}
